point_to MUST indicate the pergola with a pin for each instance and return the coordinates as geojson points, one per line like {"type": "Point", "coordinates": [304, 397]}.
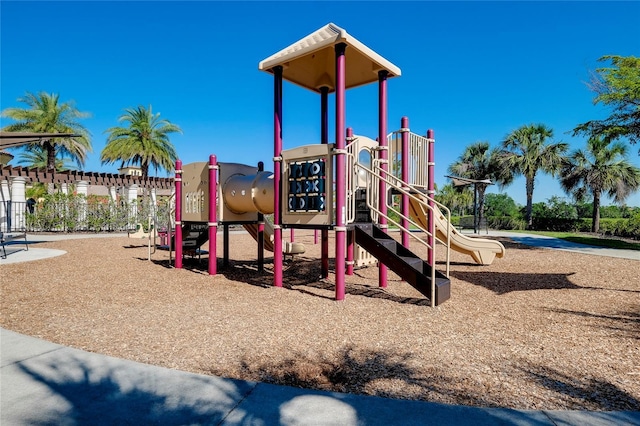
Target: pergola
{"type": "Point", "coordinates": [32, 174]}
{"type": "Point", "coordinates": [15, 139]}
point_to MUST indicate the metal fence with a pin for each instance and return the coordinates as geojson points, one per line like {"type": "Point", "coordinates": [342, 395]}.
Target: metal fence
{"type": "Point", "coordinates": [76, 214]}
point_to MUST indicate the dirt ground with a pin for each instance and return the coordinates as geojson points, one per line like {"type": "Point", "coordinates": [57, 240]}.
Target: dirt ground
{"type": "Point", "coordinates": [537, 329]}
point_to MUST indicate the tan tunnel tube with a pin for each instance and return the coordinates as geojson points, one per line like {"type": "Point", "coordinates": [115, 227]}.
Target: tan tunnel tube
{"type": "Point", "coordinates": [249, 193]}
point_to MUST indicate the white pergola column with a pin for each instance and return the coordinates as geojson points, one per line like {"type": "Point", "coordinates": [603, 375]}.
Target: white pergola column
{"type": "Point", "coordinates": [5, 197]}
{"type": "Point", "coordinates": [82, 188]}
{"type": "Point", "coordinates": [132, 197]}
{"type": "Point", "coordinates": [153, 201]}
{"type": "Point", "coordinates": [18, 203]}
{"type": "Point", "coordinates": [64, 188]}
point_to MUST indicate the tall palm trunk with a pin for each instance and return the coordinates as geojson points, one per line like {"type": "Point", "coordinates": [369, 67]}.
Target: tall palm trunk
{"type": "Point", "coordinates": [529, 211]}
{"type": "Point", "coordinates": [51, 156]}
{"type": "Point", "coordinates": [595, 219]}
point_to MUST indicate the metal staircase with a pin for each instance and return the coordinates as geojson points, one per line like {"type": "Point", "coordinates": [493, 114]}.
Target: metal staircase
{"type": "Point", "coordinates": [403, 262]}
{"type": "Point", "coordinates": [363, 211]}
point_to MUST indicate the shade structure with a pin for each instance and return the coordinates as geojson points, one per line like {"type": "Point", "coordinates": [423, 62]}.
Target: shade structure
{"type": "Point", "coordinates": [14, 139]}
{"type": "Point", "coordinates": [310, 62]}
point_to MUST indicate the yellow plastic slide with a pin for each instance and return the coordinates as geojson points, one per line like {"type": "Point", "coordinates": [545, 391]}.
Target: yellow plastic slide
{"type": "Point", "coordinates": [287, 247]}
{"type": "Point", "coordinates": [482, 250]}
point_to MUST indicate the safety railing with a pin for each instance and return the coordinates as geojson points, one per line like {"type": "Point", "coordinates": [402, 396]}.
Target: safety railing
{"type": "Point", "coordinates": [418, 157]}
{"type": "Point", "coordinates": [377, 174]}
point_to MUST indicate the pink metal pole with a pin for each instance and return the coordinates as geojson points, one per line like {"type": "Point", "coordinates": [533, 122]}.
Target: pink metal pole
{"type": "Point", "coordinates": [292, 237]}
{"type": "Point", "coordinates": [260, 231]}
{"type": "Point", "coordinates": [213, 224]}
{"type": "Point", "coordinates": [404, 128]}
{"type": "Point", "coordinates": [384, 163]}
{"type": "Point", "coordinates": [324, 138]}
{"type": "Point", "coordinates": [277, 175]}
{"type": "Point", "coordinates": [178, 242]}
{"type": "Point", "coordinates": [431, 193]}
{"type": "Point", "coordinates": [350, 234]}
{"type": "Point", "coordinates": [341, 192]}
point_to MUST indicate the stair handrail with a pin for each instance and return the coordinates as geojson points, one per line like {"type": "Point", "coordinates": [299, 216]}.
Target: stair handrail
{"type": "Point", "coordinates": [373, 176]}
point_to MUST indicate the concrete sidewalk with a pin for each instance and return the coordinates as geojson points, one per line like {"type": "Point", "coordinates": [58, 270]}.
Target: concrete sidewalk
{"type": "Point", "coordinates": [45, 383]}
{"type": "Point", "coordinates": [541, 241]}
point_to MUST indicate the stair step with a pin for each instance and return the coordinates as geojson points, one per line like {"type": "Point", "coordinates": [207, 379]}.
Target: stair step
{"type": "Point", "coordinates": [414, 262]}
{"type": "Point", "coordinates": [389, 244]}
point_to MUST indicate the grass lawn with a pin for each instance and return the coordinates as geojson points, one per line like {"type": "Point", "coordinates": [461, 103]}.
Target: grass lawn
{"type": "Point", "coordinates": [590, 239]}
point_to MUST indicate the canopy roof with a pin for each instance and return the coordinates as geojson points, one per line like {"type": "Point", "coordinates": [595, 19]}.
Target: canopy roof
{"type": "Point", "coordinates": [310, 62]}
{"type": "Point", "coordinates": [13, 139]}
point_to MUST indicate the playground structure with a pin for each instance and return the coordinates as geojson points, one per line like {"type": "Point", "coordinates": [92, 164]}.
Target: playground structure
{"type": "Point", "coordinates": [345, 186]}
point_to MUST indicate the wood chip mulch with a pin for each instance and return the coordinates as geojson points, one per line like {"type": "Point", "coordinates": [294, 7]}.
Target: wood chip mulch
{"type": "Point", "coordinates": [537, 329]}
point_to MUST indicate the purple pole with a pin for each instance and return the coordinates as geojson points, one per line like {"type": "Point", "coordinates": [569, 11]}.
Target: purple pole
{"type": "Point", "coordinates": [277, 175]}
{"type": "Point", "coordinates": [431, 193]}
{"type": "Point", "coordinates": [324, 138]}
{"type": "Point", "coordinates": [341, 192]}
{"type": "Point", "coordinates": [178, 179]}
{"type": "Point", "coordinates": [384, 163]}
{"type": "Point", "coordinates": [213, 224]}
{"type": "Point", "coordinates": [404, 128]}
{"type": "Point", "coordinates": [260, 231]}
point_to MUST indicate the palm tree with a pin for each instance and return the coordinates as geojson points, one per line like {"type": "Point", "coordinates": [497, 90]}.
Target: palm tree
{"type": "Point", "coordinates": [479, 162]}
{"type": "Point", "coordinates": [144, 141]}
{"type": "Point", "coordinates": [47, 115]}
{"type": "Point", "coordinates": [528, 150]}
{"type": "Point", "coordinates": [457, 199]}
{"type": "Point", "coordinates": [602, 167]}
{"type": "Point", "coordinates": [37, 157]}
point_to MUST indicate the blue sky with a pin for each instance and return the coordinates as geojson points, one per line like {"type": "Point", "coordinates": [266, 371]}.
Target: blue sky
{"type": "Point", "coordinates": [471, 71]}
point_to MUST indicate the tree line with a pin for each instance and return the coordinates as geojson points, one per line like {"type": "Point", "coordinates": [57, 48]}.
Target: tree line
{"type": "Point", "coordinates": [601, 168]}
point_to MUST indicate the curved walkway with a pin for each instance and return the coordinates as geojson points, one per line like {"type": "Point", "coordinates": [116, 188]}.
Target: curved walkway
{"type": "Point", "coordinates": [45, 383]}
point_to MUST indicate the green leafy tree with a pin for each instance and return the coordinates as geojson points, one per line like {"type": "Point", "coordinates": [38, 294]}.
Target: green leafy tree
{"type": "Point", "coordinates": [144, 142]}
{"type": "Point", "coordinates": [501, 205]}
{"type": "Point", "coordinates": [528, 150]}
{"type": "Point", "coordinates": [479, 162]}
{"type": "Point", "coordinates": [602, 167]}
{"type": "Point", "coordinates": [47, 115]}
{"type": "Point", "coordinates": [618, 87]}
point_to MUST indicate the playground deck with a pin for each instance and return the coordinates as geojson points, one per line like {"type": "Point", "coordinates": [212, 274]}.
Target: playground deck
{"type": "Point", "coordinates": [540, 329]}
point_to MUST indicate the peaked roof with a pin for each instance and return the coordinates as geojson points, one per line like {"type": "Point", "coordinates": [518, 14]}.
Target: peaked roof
{"type": "Point", "coordinates": [310, 62]}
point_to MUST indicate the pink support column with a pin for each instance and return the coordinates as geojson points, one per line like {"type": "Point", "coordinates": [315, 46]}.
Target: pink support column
{"type": "Point", "coordinates": [404, 128]}
{"type": "Point", "coordinates": [431, 193]}
{"type": "Point", "coordinates": [213, 217]}
{"type": "Point", "coordinates": [341, 192]}
{"type": "Point", "coordinates": [324, 138]}
{"type": "Point", "coordinates": [350, 234]}
{"type": "Point", "coordinates": [384, 163]}
{"type": "Point", "coordinates": [178, 179]}
{"type": "Point", "coordinates": [260, 231]}
{"type": "Point", "coordinates": [277, 176]}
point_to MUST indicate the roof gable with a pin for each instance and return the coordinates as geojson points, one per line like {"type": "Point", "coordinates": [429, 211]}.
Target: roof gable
{"type": "Point", "coordinates": [310, 62]}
